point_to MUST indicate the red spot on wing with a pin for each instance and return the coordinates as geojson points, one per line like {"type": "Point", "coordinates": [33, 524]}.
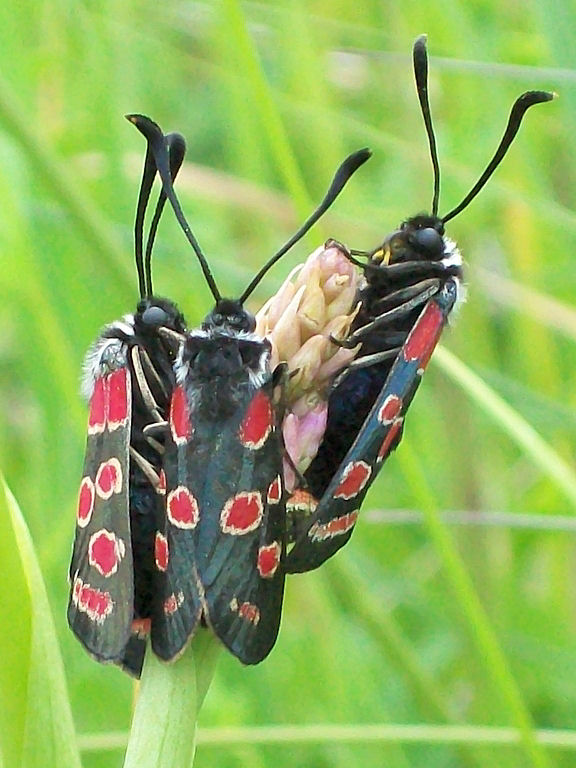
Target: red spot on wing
{"type": "Point", "coordinates": [390, 409]}
{"type": "Point", "coordinates": [109, 478]}
{"type": "Point", "coordinates": [257, 423]}
{"type": "Point", "coordinates": [97, 415]}
{"type": "Point", "coordinates": [95, 603]}
{"type": "Point", "coordinates": [247, 611]}
{"type": "Point", "coordinates": [105, 550]}
{"type": "Point", "coordinates": [274, 491]}
{"type": "Point", "coordinates": [354, 478]}
{"type": "Point", "coordinates": [335, 527]}
{"type": "Point", "coordinates": [86, 497]}
{"type": "Point", "coordinates": [424, 336]}
{"type": "Point", "coordinates": [179, 419]}
{"type": "Point", "coordinates": [172, 603]}
{"type": "Point", "coordinates": [161, 487]}
{"type": "Point", "coordinates": [242, 513]}
{"type": "Point", "coordinates": [141, 628]}
{"type": "Point", "coordinates": [161, 555]}
{"type": "Point", "coordinates": [182, 508]}
{"type": "Point", "coordinates": [389, 441]}
{"type": "Point", "coordinates": [302, 502]}
{"type": "Point", "coordinates": [117, 399]}
{"type": "Point", "coordinates": [269, 559]}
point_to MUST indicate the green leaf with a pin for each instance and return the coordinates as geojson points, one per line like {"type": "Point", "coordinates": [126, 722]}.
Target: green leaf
{"type": "Point", "coordinates": [36, 727]}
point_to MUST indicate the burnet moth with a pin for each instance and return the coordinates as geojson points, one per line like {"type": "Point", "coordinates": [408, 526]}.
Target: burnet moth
{"type": "Point", "coordinates": [413, 280]}
{"type": "Point", "coordinates": [128, 380]}
{"type": "Point", "coordinates": [181, 517]}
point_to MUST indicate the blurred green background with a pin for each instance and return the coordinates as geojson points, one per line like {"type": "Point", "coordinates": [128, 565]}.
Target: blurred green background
{"type": "Point", "coordinates": [271, 96]}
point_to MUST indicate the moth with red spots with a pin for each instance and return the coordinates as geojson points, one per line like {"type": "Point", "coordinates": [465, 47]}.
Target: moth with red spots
{"type": "Point", "coordinates": [222, 539]}
{"type": "Point", "coordinates": [412, 283]}
{"type": "Point", "coordinates": [128, 379]}
{"type": "Point", "coordinates": [181, 515]}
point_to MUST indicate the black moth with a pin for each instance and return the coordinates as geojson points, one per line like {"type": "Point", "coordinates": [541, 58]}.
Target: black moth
{"type": "Point", "coordinates": [181, 513]}
{"type": "Point", "coordinates": [412, 283]}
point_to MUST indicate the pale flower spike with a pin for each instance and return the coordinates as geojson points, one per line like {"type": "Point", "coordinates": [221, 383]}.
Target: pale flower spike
{"type": "Point", "coordinates": [314, 305]}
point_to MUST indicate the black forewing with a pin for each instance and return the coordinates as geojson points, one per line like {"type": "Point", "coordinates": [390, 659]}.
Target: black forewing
{"type": "Point", "coordinates": [227, 565]}
{"type": "Point", "coordinates": [332, 523]}
{"type": "Point", "coordinates": [100, 608]}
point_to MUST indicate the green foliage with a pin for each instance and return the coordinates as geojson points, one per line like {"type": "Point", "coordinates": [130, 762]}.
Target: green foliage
{"type": "Point", "coordinates": [35, 717]}
{"type": "Point", "coordinates": [420, 625]}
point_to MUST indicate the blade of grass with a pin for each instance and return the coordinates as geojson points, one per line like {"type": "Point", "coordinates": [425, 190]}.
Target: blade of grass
{"type": "Point", "coordinates": [476, 621]}
{"type": "Point", "coordinates": [541, 453]}
{"type": "Point", "coordinates": [480, 735]}
{"type": "Point", "coordinates": [36, 718]}
{"type": "Point", "coordinates": [275, 134]}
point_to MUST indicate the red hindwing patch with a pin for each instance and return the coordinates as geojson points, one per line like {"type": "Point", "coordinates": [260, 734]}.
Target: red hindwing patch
{"type": "Point", "coordinates": [95, 603]}
{"type": "Point", "coordinates": [302, 502]}
{"type": "Point", "coordinates": [242, 513]}
{"type": "Point", "coordinates": [257, 423]}
{"type": "Point", "coordinates": [161, 554]}
{"type": "Point", "coordinates": [109, 478]}
{"type": "Point", "coordinates": [182, 508]}
{"type": "Point", "coordinates": [269, 559]}
{"type": "Point", "coordinates": [172, 603]}
{"type": "Point", "coordinates": [274, 491]}
{"type": "Point", "coordinates": [424, 337]}
{"type": "Point", "coordinates": [105, 550]}
{"type": "Point", "coordinates": [247, 611]}
{"type": "Point", "coordinates": [354, 478]}
{"type": "Point", "coordinates": [179, 419]}
{"type": "Point", "coordinates": [117, 399]}
{"type": "Point", "coordinates": [336, 527]}
{"type": "Point", "coordinates": [86, 497]}
{"type": "Point", "coordinates": [141, 628]}
{"type": "Point", "coordinates": [390, 409]}
{"type": "Point", "coordinates": [161, 487]}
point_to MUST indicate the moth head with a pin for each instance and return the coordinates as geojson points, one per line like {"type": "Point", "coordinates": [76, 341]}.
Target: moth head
{"type": "Point", "coordinates": [155, 312]}
{"type": "Point", "coordinates": [230, 314]}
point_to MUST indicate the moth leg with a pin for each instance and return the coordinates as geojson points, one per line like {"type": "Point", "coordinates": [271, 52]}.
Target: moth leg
{"type": "Point", "coordinates": [145, 391]}
{"type": "Point", "coordinates": [155, 428]}
{"type": "Point", "coordinates": [397, 298]}
{"type": "Point", "coordinates": [146, 467]}
{"type": "Point", "coordinates": [366, 362]}
{"type": "Point", "coordinates": [389, 317]}
{"type": "Point", "coordinates": [153, 372]}
{"type": "Point", "coordinates": [414, 269]}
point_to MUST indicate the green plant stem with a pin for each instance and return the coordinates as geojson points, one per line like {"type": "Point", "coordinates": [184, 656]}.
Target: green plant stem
{"type": "Point", "coordinates": [476, 621]}
{"type": "Point", "coordinates": [163, 731]}
{"type": "Point", "coordinates": [524, 435]}
{"type": "Point", "coordinates": [352, 733]}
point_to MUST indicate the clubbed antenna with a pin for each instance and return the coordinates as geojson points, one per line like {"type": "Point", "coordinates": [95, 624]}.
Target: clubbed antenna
{"type": "Point", "coordinates": [341, 177]}
{"type": "Point", "coordinates": [176, 145]}
{"type": "Point", "coordinates": [420, 58]}
{"type": "Point", "coordinates": [519, 109]}
{"type": "Point", "coordinates": [158, 149]}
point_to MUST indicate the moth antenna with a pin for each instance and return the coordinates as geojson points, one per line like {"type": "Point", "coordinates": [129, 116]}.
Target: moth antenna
{"type": "Point", "coordinates": [157, 145]}
{"type": "Point", "coordinates": [148, 174]}
{"type": "Point", "coordinates": [519, 109]}
{"type": "Point", "coordinates": [420, 58]}
{"type": "Point", "coordinates": [176, 151]}
{"type": "Point", "coordinates": [341, 177]}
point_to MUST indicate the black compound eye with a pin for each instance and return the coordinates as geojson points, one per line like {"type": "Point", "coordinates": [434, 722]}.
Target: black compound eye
{"type": "Point", "coordinates": [217, 318]}
{"type": "Point", "coordinates": [428, 240]}
{"type": "Point", "coordinates": [155, 316]}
